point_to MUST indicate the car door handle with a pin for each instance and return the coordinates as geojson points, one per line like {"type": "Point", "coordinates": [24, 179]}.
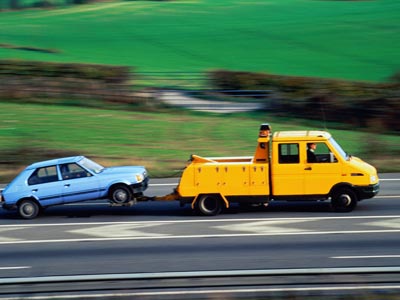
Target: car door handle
{"type": "Point", "coordinates": [67, 185]}
{"type": "Point", "coordinates": [34, 190]}
{"type": "Point", "coordinates": [308, 169]}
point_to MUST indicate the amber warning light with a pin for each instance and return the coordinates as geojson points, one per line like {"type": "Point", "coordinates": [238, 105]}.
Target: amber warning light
{"type": "Point", "coordinates": [265, 130]}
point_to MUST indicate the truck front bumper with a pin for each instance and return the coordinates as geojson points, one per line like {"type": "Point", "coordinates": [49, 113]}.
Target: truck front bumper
{"type": "Point", "coordinates": [368, 191]}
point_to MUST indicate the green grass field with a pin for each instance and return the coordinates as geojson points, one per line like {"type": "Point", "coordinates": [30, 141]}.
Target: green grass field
{"type": "Point", "coordinates": [162, 142]}
{"type": "Point", "coordinates": [336, 39]}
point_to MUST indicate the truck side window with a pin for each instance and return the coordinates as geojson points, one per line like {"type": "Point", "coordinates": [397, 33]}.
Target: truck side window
{"type": "Point", "coordinates": [322, 153]}
{"type": "Point", "coordinates": [289, 154]}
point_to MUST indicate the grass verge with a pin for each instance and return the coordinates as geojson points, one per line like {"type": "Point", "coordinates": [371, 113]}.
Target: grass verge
{"type": "Point", "coordinates": [160, 141]}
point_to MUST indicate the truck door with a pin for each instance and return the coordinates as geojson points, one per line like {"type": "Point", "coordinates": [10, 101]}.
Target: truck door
{"type": "Point", "coordinates": [287, 171]}
{"type": "Point", "coordinates": [323, 171]}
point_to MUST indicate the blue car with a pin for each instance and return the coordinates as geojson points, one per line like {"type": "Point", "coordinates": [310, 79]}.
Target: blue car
{"type": "Point", "coordinates": [72, 179]}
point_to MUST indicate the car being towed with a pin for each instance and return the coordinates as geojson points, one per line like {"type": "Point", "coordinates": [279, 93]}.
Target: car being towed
{"type": "Point", "coordinates": [72, 179]}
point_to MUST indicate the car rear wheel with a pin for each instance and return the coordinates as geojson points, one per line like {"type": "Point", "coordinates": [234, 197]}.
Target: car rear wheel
{"type": "Point", "coordinates": [120, 194]}
{"type": "Point", "coordinates": [28, 209]}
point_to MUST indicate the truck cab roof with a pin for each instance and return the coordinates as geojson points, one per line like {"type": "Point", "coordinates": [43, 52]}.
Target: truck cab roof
{"type": "Point", "coordinates": [302, 135]}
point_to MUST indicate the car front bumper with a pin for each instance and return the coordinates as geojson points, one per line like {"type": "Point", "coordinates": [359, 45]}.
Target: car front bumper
{"type": "Point", "coordinates": [138, 188]}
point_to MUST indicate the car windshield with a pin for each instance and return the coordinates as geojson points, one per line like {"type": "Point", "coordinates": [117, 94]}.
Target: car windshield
{"type": "Point", "coordinates": [339, 149]}
{"type": "Point", "coordinates": [91, 165]}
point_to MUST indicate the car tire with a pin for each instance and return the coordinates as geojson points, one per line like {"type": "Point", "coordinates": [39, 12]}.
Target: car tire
{"type": "Point", "coordinates": [344, 200]}
{"type": "Point", "coordinates": [28, 209]}
{"type": "Point", "coordinates": [120, 194]}
{"type": "Point", "coordinates": [209, 205]}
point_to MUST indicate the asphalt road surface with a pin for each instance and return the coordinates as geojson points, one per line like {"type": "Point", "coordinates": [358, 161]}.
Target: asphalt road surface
{"type": "Point", "coordinates": [93, 238]}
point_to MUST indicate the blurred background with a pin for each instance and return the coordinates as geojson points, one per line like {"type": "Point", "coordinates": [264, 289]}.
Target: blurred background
{"type": "Point", "coordinates": [151, 82]}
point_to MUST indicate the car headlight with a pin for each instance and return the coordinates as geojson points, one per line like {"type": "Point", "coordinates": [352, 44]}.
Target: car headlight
{"type": "Point", "coordinates": [139, 177]}
{"type": "Point", "coordinates": [372, 178]}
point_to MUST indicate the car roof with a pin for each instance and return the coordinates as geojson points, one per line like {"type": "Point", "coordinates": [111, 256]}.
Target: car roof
{"type": "Point", "coordinates": [52, 162]}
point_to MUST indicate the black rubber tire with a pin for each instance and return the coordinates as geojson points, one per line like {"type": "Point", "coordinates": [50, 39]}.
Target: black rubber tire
{"type": "Point", "coordinates": [28, 209]}
{"type": "Point", "coordinates": [120, 194]}
{"type": "Point", "coordinates": [344, 200]}
{"type": "Point", "coordinates": [209, 205]}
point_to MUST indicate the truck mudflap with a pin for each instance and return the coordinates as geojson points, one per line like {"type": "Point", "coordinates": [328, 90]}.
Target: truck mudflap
{"type": "Point", "coordinates": [367, 191]}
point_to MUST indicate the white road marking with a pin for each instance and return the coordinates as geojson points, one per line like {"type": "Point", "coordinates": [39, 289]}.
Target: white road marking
{"type": "Point", "coordinates": [366, 256]}
{"type": "Point", "coordinates": [118, 230]}
{"type": "Point", "coordinates": [170, 237]}
{"type": "Point", "coordinates": [387, 223]}
{"type": "Point", "coordinates": [15, 268]}
{"type": "Point", "coordinates": [266, 226]}
{"type": "Point", "coordinates": [7, 239]}
{"type": "Point", "coordinates": [205, 220]}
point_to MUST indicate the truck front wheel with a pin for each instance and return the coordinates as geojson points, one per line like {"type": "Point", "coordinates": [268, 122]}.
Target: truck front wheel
{"type": "Point", "coordinates": [209, 205]}
{"type": "Point", "coordinates": [344, 200]}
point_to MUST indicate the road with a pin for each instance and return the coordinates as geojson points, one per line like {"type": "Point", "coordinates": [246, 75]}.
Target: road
{"type": "Point", "coordinates": [93, 238]}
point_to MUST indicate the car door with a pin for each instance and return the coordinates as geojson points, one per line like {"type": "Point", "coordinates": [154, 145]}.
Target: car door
{"type": "Point", "coordinates": [78, 183]}
{"type": "Point", "coordinates": [44, 185]}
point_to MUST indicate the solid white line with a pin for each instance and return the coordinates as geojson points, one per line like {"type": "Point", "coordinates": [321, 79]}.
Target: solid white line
{"type": "Point", "coordinates": [162, 184]}
{"type": "Point", "coordinates": [366, 256]}
{"type": "Point", "coordinates": [14, 268]}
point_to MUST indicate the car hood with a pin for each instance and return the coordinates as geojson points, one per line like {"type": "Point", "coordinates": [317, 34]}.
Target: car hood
{"type": "Point", "coordinates": [124, 170]}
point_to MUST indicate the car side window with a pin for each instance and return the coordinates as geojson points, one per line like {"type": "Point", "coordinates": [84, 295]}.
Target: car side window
{"type": "Point", "coordinates": [43, 175]}
{"type": "Point", "coordinates": [289, 153]}
{"type": "Point", "coordinates": [73, 171]}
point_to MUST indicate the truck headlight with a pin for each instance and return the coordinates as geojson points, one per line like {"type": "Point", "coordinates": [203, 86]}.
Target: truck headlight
{"type": "Point", "coordinates": [139, 177]}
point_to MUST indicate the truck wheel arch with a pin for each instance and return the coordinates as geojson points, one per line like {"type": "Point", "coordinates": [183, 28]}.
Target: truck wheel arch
{"type": "Point", "coordinates": [209, 204]}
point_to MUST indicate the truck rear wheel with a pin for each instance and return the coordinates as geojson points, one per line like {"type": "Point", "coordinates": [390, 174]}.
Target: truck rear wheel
{"type": "Point", "coordinates": [344, 200]}
{"type": "Point", "coordinates": [209, 205]}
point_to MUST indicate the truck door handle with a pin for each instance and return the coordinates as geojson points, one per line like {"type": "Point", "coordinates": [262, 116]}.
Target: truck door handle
{"type": "Point", "coordinates": [308, 169]}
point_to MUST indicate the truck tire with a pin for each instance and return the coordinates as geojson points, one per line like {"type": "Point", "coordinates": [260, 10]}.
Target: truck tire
{"type": "Point", "coordinates": [28, 209]}
{"type": "Point", "coordinates": [344, 200]}
{"type": "Point", "coordinates": [120, 194]}
{"type": "Point", "coordinates": [209, 205]}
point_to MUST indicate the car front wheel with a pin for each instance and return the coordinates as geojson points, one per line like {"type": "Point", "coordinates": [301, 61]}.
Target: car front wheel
{"type": "Point", "coordinates": [120, 194]}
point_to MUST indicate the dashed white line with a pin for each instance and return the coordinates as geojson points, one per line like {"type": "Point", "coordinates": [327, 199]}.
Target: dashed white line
{"type": "Point", "coordinates": [366, 256]}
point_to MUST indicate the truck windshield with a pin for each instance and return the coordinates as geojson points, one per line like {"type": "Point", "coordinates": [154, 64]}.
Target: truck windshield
{"type": "Point", "coordinates": [91, 165]}
{"type": "Point", "coordinates": [339, 149]}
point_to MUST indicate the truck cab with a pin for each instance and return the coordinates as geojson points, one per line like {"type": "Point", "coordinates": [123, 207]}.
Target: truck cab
{"type": "Point", "coordinates": [331, 173]}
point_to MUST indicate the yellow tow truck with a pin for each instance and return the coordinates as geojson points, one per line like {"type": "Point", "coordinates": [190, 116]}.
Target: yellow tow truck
{"type": "Point", "coordinates": [287, 165]}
